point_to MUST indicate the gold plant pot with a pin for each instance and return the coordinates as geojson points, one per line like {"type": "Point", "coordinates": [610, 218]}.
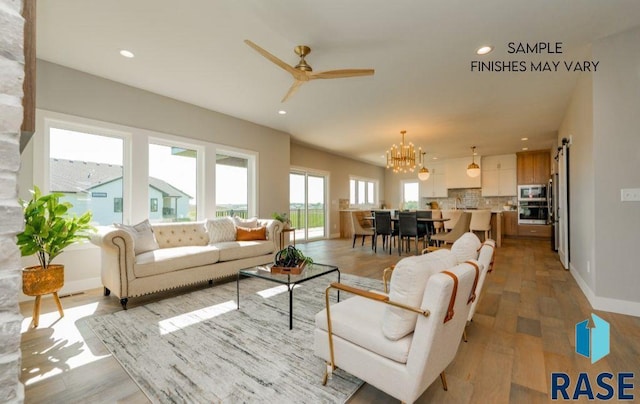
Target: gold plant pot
{"type": "Point", "coordinates": [37, 281]}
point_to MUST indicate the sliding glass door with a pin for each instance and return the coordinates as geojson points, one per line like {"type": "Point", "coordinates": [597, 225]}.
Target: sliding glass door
{"type": "Point", "coordinates": [307, 204]}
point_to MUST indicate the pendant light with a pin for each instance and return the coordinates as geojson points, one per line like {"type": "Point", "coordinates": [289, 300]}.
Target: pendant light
{"type": "Point", "coordinates": [423, 174]}
{"type": "Point", "coordinates": [473, 170]}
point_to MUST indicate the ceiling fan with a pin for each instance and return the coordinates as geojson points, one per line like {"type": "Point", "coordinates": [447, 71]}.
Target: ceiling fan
{"type": "Point", "coordinates": [302, 72]}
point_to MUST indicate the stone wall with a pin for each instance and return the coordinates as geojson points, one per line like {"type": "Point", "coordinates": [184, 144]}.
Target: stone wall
{"type": "Point", "coordinates": [11, 77]}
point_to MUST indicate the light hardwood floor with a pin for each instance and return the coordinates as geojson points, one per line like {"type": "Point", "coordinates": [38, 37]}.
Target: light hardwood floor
{"type": "Point", "coordinates": [522, 331]}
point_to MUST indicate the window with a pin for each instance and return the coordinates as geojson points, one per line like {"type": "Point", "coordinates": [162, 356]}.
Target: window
{"type": "Point", "coordinates": [172, 180]}
{"type": "Point", "coordinates": [362, 191]}
{"type": "Point", "coordinates": [87, 169]}
{"type": "Point", "coordinates": [117, 205]}
{"type": "Point", "coordinates": [232, 185]}
{"type": "Point", "coordinates": [410, 194]}
{"type": "Point", "coordinates": [153, 205]}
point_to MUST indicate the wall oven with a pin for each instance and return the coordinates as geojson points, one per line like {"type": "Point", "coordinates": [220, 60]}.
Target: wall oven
{"type": "Point", "coordinates": [533, 212]}
{"type": "Point", "coordinates": [532, 192]}
{"type": "Point", "coordinates": [533, 204]}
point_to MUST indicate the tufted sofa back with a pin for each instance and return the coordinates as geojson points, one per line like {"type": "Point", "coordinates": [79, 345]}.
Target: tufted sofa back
{"type": "Point", "coordinates": [181, 234]}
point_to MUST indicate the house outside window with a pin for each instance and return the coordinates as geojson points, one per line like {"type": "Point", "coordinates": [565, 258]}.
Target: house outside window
{"type": "Point", "coordinates": [86, 167]}
{"type": "Point", "coordinates": [117, 205]}
{"type": "Point", "coordinates": [153, 205]}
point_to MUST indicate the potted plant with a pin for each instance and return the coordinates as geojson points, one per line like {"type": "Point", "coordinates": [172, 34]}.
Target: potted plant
{"type": "Point", "coordinates": [47, 232]}
{"type": "Point", "coordinates": [283, 217]}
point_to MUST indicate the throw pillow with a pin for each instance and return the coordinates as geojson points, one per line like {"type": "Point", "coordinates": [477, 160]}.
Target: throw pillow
{"type": "Point", "coordinates": [466, 247]}
{"type": "Point", "coordinates": [247, 234]}
{"type": "Point", "coordinates": [143, 238]}
{"type": "Point", "coordinates": [408, 281]}
{"type": "Point", "coordinates": [221, 229]}
{"type": "Point", "coordinates": [250, 223]}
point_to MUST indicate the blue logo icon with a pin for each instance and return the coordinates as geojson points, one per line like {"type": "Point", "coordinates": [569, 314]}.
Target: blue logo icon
{"type": "Point", "coordinates": [592, 341]}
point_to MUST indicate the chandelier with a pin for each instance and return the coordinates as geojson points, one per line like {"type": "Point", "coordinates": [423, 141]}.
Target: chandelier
{"type": "Point", "coordinates": [402, 158]}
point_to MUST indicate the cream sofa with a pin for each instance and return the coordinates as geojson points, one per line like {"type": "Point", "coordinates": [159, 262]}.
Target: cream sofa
{"type": "Point", "coordinates": [185, 256]}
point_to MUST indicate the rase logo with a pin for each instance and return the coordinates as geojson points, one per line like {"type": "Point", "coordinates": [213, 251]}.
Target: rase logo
{"type": "Point", "coordinates": [592, 341]}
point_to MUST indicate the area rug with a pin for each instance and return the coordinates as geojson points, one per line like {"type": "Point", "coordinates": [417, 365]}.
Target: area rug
{"type": "Point", "coordinates": [198, 348]}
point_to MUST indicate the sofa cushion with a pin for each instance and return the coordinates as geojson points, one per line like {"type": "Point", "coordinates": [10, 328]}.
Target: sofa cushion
{"type": "Point", "coordinates": [235, 250]}
{"type": "Point", "coordinates": [143, 238]}
{"type": "Point", "coordinates": [251, 223]}
{"type": "Point", "coordinates": [221, 229]}
{"type": "Point", "coordinates": [181, 234]}
{"type": "Point", "coordinates": [358, 320]}
{"type": "Point", "coordinates": [174, 259]}
{"type": "Point", "coordinates": [248, 234]}
{"type": "Point", "coordinates": [466, 247]}
{"type": "Point", "coordinates": [408, 281]}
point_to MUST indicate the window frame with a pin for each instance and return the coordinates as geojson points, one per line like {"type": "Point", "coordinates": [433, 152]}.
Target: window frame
{"type": "Point", "coordinates": [367, 181]}
{"type": "Point", "coordinates": [136, 142]}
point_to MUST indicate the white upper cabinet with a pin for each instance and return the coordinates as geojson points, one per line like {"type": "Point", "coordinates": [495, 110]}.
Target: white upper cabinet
{"type": "Point", "coordinates": [457, 173]}
{"type": "Point", "coordinates": [435, 186]}
{"type": "Point", "coordinates": [499, 175]}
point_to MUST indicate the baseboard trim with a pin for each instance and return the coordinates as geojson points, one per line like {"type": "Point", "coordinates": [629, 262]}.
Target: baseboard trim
{"type": "Point", "coordinates": [619, 306]}
{"type": "Point", "coordinates": [69, 288]}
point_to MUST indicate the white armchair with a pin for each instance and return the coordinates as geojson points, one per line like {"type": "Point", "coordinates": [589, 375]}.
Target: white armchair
{"type": "Point", "coordinates": [399, 342]}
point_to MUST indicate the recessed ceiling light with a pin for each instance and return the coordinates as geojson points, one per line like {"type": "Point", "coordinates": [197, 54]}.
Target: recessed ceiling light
{"type": "Point", "coordinates": [434, 158]}
{"type": "Point", "coordinates": [525, 148]}
{"type": "Point", "coordinates": [126, 53]}
{"type": "Point", "coordinates": [524, 138]}
{"type": "Point", "coordinates": [483, 50]}
{"type": "Point", "coordinates": [282, 112]}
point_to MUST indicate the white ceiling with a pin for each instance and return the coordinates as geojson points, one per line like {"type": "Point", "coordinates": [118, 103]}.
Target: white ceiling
{"type": "Point", "coordinates": [421, 52]}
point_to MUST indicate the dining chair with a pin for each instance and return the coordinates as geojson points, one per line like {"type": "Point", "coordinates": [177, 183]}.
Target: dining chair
{"type": "Point", "coordinates": [453, 216]}
{"type": "Point", "coordinates": [408, 228]}
{"type": "Point", "coordinates": [437, 226]}
{"type": "Point", "coordinates": [462, 226]}
{"type": "Point", "coordinates": [481, 221]}
{"type": "Point", "coordinates": [425, 227]}
{"type": "Point", "coordinates": [383, 227]}
{"type": "Point", "coordinates": [358, 229]}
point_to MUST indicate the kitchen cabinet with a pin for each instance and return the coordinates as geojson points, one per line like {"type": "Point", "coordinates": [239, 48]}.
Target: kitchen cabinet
{"type": "Point", "coordinates": [534, 230]}
{"type": "Point", "coordinates": [457, 177]}
{"type": "Point", "coordinates": [534, 167]}
{"type": "Point", "coordinates": [499, 175]}
{"type": "Point", "coordinates": [510, 220]}
{"type": "Point", "coordinates": [435, 186]}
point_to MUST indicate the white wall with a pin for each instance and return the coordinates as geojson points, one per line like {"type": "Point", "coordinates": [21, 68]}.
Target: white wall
{"type": "Point", "coordinates": [339, 169]}
{"type": "Point", "coordinates": [604, 123]}
{"type": "Point", "coordinates": [578, 124]}
{"type": "Point", "coordinates": [616, 145]}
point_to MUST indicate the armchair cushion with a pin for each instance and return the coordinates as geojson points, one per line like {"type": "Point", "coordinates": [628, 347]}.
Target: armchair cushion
{"type": "Point", "coordinates": [466, 247]}
{"type": "Point", "coordinates": [357, 320]}
{"type": "Point", "coordinates": [408, 281]}
{"type": "Point", "coordinates": [143, 238]}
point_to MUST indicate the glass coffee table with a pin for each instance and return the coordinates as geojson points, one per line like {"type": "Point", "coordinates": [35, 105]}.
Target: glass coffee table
{"type": "Point", "coordinates": [309, 272]}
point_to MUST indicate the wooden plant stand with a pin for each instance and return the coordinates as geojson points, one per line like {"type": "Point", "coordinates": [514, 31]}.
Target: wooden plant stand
{"type": "Point", "coordinates": [37, 282]}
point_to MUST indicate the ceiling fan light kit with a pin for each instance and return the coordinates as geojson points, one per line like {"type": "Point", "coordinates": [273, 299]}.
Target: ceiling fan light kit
{"type": "Point", "coordinates": [303, 72]}
{"type": "Point", "coordinates": [473, 170]}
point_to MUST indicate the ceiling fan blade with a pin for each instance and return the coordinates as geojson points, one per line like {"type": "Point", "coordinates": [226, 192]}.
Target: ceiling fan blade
{"type": "Point", "coordinates": [339, 74]}
{"type": "Point", "coordinates": [294, 87]}
{"type": "Point", "coordinates": [293, 71]}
